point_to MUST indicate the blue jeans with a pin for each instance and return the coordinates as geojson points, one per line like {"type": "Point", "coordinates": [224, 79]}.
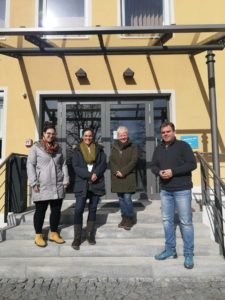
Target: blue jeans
{"type": "Point", "coordinates": [181, 201]}
{"type": "Point", "coordinates": [80, 206]}
{"type": "Point", "coordinates": [126, 205]}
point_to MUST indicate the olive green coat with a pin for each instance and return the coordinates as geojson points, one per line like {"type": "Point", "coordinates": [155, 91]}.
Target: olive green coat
{"type": "Point", "coordinates": [123, 158]}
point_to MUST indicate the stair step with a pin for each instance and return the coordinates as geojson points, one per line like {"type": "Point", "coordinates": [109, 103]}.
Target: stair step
{"type": "Point", "coordinates": [117, 254]}
{"type": "Point", "coordinates": [103, 248]}
{"type": "Point", "coordinates": [113, 267]}
{"type": "Point", "coordinates": [67, 217]}
{"type": "Point", "coordinates": [22, 232]}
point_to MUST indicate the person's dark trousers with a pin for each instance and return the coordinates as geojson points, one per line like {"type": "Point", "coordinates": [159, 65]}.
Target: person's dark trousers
{"type": "Point", "coordinates": [78, 218]}
{"type": "Point", "coordinates": [80, 206]}
{"type": "Point", "coordinates": [126, 205]}
{"type": "Point", "coordinates": [39, 215]}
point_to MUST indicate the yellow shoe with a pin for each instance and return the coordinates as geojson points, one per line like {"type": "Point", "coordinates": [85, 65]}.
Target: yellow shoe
{"type": "Point", "coordinates": [39, 241]}
{"type": "Point", "coordinates": [55, 237]}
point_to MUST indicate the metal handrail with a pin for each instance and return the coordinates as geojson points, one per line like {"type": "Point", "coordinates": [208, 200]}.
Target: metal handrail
{"type": "Point", "coordinates": [6, 181]}
{"type": "Point", "coordinates": [202, 160]}
{"type": "Point", "coordinates": [8, 157]}
{"type": "Point", "coordinates": [214, 207]}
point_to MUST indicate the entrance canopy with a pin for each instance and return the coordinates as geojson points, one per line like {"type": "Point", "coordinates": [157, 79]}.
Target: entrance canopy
{"type": "Point", "coordinates": [152, 40]}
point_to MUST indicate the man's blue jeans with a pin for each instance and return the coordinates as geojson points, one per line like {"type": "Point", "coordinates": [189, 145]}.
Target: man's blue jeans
{"type": "Point", "coordinates": [80, 206]}
{"type": "Point", "coordinates": [181, 202]}
{"type": "Point", "coordinates": [126, 205]}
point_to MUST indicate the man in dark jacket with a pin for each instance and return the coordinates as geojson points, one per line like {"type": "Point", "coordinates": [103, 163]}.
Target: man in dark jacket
{"type": "Point", "coordinates": [173, 161]}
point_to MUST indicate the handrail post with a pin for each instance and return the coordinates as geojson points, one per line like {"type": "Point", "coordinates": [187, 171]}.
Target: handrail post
{"type": "Point", "coordinates": [7, 182]}
{"type": "Point", "coordinates": [215, 150]}
{"type": "Point", "coordinates": [203, 184]}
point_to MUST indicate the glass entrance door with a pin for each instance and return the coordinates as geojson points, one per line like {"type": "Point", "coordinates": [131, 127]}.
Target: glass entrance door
{"type": "Point", "coordinates": [142, 117]}
{"type": "Point", "coordinates": [104, 118]}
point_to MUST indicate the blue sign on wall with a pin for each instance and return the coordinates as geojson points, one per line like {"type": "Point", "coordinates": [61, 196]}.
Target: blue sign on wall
{"type": "Point", "coordinates": [192, 140]}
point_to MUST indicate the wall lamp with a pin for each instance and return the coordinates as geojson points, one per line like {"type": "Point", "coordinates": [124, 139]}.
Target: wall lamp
{"type": "Point", "coordinates": [128, 73]}
{"type": "Point", "coordinates": [81, 73]}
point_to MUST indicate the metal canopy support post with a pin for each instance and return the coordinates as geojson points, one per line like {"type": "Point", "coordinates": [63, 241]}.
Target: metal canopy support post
{"type": "Point", "coordinates": [164, 38]}
{"type": "Point", "coordinates": [218, 225]}
{"type": "Point", "coordinates": [101, 42]}
{"type": "Point", "coordinates": [37, 41]}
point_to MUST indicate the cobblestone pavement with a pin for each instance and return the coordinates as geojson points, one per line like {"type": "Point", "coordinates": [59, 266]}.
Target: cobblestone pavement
{"type": "Point", "coordinates": [105, 288]}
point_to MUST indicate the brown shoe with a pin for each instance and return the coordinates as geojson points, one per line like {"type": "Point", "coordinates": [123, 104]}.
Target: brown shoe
{"type": "Point", "coordinates": [128, 224]}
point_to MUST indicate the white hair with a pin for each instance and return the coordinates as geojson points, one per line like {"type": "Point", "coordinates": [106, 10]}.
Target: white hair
{"type": "Point", "coordinates": [122, 129]}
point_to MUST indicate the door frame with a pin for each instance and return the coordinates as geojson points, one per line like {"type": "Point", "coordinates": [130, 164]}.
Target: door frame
{"type": "Point", "coordinates": [105, 132]}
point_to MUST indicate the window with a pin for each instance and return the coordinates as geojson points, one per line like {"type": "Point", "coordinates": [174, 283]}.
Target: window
{"type": "Point", "coordinates": [142, 12]}
{"type": "Point", "coordinates": [61, 13]}
{"type": "Point", "coordinates": [161, 114]}
{"type": "Point", "coordinates": [1, 124]}
{"type": "Point", "coordinates": [2, 13]}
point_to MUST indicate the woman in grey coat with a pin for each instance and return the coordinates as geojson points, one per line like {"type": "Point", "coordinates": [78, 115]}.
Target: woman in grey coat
{"type": "Point", "coordinates": [48, 178]}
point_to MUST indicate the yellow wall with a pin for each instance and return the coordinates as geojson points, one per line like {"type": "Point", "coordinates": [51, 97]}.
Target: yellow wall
{"type": "Point", "coordinates": [180, 73]}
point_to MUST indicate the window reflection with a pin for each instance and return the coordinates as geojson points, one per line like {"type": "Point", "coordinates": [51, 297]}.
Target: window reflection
{"type": "Point", "coordinates": [50, 111]}
{"type": "Point", "coordinates": [142, 12]}
{"type": "Point", "coordinates": [61, 13]}
{"type": "Point", "coordinates": [160, 115]}
{"type": "Point", "coordinates": [2, 13]}
{"type": "Point", "coordinates": [80, 116]}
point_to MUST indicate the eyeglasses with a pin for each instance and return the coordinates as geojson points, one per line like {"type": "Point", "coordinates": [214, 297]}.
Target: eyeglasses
{"type": "Point", "coordinates": [49, 133]}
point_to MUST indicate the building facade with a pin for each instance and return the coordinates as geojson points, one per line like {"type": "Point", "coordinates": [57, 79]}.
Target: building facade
{"type": "Point", "coordinates": [104, 91]}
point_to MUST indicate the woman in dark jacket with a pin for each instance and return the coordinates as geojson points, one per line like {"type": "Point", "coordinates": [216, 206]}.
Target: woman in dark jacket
{"type": "Point", "coordinates": [123, 161]}
{"type": "Point", "coordinates": [89, 163]}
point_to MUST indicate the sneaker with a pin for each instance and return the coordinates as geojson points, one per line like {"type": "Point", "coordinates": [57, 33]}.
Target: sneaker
{"type": "Point", "coordinates": [188, 261]}
{"type": "Point", "coordinates": [166, 254]}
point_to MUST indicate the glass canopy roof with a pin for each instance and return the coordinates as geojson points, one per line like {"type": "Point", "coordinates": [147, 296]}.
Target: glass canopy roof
{"type": "Point", "coordinates": [152, 40]}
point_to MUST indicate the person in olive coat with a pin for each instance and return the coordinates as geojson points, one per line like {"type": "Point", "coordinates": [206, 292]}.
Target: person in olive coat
{"type": "Point", "coordinates": [89, 164]}
{"type": "Point", "coordinates": [123, 161]}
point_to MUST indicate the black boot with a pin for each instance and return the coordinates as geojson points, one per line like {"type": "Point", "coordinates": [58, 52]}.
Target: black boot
{"type": "Point", "coordinates": [122, 223]}
{"type": "Point", "coordinates": [90, 232]}
{"type": "Point", "coordinates": [77, 236]}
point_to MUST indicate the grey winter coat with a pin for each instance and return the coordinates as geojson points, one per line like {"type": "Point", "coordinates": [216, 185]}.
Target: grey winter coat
{"type": "Point", "coordinates": [123, 158]}
{"type": "Point", "coordinates": [49, 171]}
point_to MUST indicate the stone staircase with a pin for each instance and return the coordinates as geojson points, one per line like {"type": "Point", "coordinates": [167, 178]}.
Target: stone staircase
{"type": "Point", "coordinates": [117, 254]}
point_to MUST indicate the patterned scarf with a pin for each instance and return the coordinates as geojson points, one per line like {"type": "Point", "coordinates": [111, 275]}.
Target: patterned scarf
{"type": "Point", "coordinates": [50, 148]}
{"type": "Point", "coordinates": [88, 152]}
